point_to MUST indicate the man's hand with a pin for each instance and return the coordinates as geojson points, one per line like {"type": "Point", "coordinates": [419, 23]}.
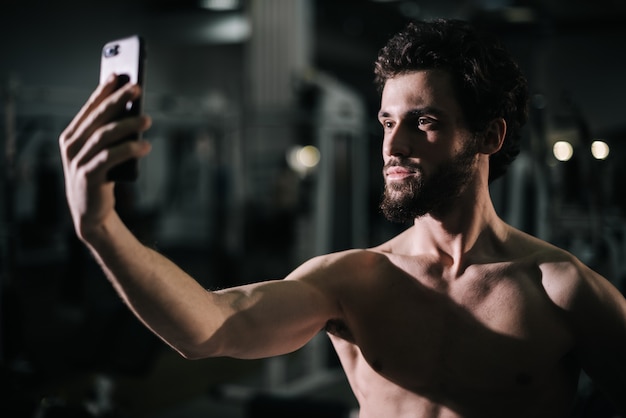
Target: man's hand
{"type": "Point", "coordinates": [87, 153]}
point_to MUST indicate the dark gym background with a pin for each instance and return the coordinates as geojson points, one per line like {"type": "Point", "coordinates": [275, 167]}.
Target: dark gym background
{"type": "Point", "coordinates": [237, 89]}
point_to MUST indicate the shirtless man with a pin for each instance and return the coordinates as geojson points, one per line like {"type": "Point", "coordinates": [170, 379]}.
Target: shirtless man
{"type": "Point", "coordinates": [461, 315]}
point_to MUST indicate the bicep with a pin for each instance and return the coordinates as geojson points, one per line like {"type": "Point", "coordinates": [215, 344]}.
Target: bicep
{"type": "Point", "coordinates": [271, 318]}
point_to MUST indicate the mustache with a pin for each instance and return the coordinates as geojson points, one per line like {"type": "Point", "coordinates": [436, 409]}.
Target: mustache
{"type": "Point", "coordinates": [407, 165]}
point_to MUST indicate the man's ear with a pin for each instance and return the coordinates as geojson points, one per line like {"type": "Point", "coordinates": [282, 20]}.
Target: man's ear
{"type": "Point", "coordinates": [493, 137]}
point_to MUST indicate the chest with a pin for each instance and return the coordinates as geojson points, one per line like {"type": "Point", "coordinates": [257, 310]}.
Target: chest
{"type": "Point", "coordinates": [497, 332]}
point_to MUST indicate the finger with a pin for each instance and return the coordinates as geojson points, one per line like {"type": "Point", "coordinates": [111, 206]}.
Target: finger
{"type": "Point", "coordinates": [96, 169]}
{"type": "Point", "coordinates": [110, 134]}
{"type": "Point", "coordinates": [107, 110]}
{"type": "Point", "coordinates": [67, 137]}
{"type": "Point", "coordinates": [104, 106]}
{"type": "Point", "coordinates": [101, 92]}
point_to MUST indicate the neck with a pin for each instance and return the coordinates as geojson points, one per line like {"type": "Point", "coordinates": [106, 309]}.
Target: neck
{"type": "Point", "coordinates": [468, 228]}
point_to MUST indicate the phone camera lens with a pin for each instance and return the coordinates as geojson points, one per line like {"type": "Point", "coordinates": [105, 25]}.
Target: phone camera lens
{"type": "Point", "coordinates": [111, 50]}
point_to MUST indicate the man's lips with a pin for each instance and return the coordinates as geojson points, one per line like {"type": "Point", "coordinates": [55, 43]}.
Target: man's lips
{"type": "Point", "coordinates": [398, 173]}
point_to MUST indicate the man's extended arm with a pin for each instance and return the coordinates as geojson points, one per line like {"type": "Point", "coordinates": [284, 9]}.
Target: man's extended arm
{"type": "Point", "coordinates": [257, 320]}
{"type": "Point", "coordinates": [252, 321]}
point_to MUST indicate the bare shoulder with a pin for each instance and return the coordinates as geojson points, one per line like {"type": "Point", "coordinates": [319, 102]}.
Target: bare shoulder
{"type": "Point", "coordinates": [337, 267]}
{"type": "Point", "coordinates": [566, 280]}
{"type": "Point", "coordinates": [595, 310]}
{"type": "Point", "coordinates": [564, 277]}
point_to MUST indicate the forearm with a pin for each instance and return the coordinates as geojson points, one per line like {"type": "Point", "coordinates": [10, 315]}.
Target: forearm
{"type": "Point", "coordinates": [168, 301]}
{"type": "Point", "coordinates": [250, 321]}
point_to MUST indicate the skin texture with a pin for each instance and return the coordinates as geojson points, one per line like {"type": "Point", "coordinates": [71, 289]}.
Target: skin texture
{"type": "Point", "coordinates": [460, 315]}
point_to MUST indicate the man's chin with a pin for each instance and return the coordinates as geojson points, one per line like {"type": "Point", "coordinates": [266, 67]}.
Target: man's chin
{"type": "Point", "coordinates": [400, 210]}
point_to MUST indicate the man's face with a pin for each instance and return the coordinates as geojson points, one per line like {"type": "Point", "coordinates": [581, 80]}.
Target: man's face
{"type": "Point", "coordinates": [429, 155]}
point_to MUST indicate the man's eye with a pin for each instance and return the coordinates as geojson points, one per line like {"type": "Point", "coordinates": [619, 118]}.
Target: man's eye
{"type": "Point", "coordinates": [424, 121]}
{"type": "Point", "coordinates": [388, 124]}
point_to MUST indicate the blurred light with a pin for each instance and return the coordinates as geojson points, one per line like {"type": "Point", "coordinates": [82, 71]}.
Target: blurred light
{"type": "Point", "coordinates": [303, 159]}
{"type": "Point", "coordinates": [599, 150]}
{"type": "Point", "coordinates": [219, 5]}
{"type": "Point", "coordinates": [562, 150]}
{"type": "Point", "coordinates": [309, 156]}
{"type": "Point", "coordinates": [228, 28]}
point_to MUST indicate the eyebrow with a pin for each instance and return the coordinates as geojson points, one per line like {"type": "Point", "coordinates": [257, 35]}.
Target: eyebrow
{"type": "Point", "coordinates": [417, 112]}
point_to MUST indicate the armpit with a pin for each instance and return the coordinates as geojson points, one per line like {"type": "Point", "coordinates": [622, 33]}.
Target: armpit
{"type": "Point", "coordinates": [339, 329]}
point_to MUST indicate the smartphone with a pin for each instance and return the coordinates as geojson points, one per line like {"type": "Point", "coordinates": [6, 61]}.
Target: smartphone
{"type": "Point", "coordinates": [125, 57]}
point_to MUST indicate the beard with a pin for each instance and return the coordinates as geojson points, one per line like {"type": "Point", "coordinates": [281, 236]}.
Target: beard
{"type": "Point", "coordinates": [404, 201]}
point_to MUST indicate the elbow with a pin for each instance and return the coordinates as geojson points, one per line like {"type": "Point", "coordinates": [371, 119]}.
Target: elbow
{"type": "Point", "coordinates": [197, 350]}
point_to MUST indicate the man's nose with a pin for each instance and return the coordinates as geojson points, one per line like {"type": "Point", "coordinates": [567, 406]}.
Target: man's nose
{"type": "Point", "coordinates": [397, 143]}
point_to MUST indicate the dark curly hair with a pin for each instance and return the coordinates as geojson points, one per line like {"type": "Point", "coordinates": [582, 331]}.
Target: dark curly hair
{"type": "Point", "coordinates": [487, 81]}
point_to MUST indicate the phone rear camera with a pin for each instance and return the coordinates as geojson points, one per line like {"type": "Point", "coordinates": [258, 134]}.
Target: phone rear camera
{"type": "Point", "coordinates": [111, 50]}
